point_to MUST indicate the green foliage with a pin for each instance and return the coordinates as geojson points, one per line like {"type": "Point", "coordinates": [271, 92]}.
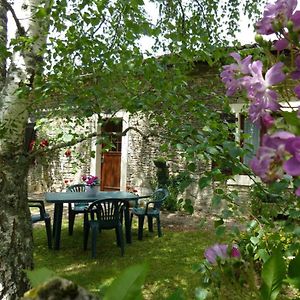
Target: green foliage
{"type": "Point", "coordinates": [294, 272]}
{"type": "Point", "coordinates": [273, 274]}
{"type": "Point", "coordinates": [218, 281]}
{"type": "Point", "coordinates": [39, 276]}
{"type": "Point", "coordinates": [128, 285]}
{"type": "Point", "coordinates": [177, 295]}
{"type": "Point", "coordinates": [177, 185]}
{"type": "Point", "coordinates": [269, 201]}
{"type": "Point", "coordinates": [162, 256]}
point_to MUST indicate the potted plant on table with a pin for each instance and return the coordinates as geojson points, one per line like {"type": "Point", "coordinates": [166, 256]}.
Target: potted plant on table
{"type": "Point", "coordinates": [91, 183]}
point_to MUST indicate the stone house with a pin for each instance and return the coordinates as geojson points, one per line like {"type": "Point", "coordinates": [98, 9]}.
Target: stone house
{"type": "Point", "coordinates": [130, 163]}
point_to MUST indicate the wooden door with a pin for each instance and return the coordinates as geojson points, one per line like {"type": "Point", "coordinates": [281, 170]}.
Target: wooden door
{"type": "Point", "coordinates": [111, 160]}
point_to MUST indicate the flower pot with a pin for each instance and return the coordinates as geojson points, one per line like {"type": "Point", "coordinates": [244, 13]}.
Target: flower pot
{"type": "Point", "coordinates": [91, 190]}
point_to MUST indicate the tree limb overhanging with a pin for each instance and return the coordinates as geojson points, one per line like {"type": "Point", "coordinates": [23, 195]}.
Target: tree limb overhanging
{"type": "Point", "coordinates": [20, 28]}
{"type": "Point", "coordinates": [82, 139]}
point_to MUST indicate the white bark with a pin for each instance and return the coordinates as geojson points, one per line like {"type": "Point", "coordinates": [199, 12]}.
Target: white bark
{"type": "Point", "coordinates": [14, 109]}
{"type": "Point", "coordinates": [15, 225]}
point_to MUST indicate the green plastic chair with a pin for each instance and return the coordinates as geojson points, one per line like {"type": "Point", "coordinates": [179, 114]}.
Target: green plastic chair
{"type": "Point", "coordinates": [104, 214]}
{"type": "Point", "coordinates": [75, 208]}
{"type": "Point", "coordinates": [41, 216]}
{"type": "Point", "coordinates": [151, 211]}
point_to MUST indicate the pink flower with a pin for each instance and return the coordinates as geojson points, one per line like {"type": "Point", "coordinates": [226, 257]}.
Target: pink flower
{"type": "Point", "coordinates": [44, 143]}
{"type": "Point", "coordinates": [296, 73]}
{"type": "Point", "coordinates": [263, 98]}
{"type": "Point", "coordinates": [90, 180]}
{"type": "Point", "coordinates": [278, 13]}
{"type": "Point", "coordinates": [267, 120]}
{"type": "Point", "coordinates": [68, 153]}
{"type": "Point", "coordinates": [268, 163]}
{"type": "Point", "coordinates": [235, 252]}
{"type": "Point", "coordinates": [220, 251]}
{"type": "Point", "coordinates": [258, 86]}
{"type": "Point", "coordinates": [295, 18]}
{"type": "Point", "coordinates": [231, 73]}
{"type": "Point", "coordinates": [292, 166]}
{"type": "Point", "coordinates": [297, 91]}
{"type": "Point", "coordinates": [281, 44]}
{"type": "Point", "coordinates": [215, 252]}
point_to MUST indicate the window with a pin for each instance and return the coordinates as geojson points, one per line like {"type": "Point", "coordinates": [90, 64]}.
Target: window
{"type": "Point", "coordinates": [253, 139]}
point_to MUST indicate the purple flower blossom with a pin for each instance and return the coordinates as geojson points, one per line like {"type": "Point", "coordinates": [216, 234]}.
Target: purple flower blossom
{"type": "Point", "coordinates": [257, 86]}
{"type": "Point", "coordinates": [90, 180]}
{"type": "Point", "coordinates": [296, 74]}
{"type": "Point", "coordinates": [292, 165]}
{"type": "Point", "coordinates": [267, 120]}
{"type": "Point", "coordinates": [215, 252]}
{"type": "Point", "coordinates": [295, 18]}
{"type": "Point", "coordinates": [297, 91]}
{"type": "Point", "coordinates": [235, 252]}
{"type": "Point", "coordinates": [270, 156]}
{"type": "Point", "coordinates": [281, 44]}
{"type": "Point", "coordinates": [220, 251]}
{"type": "Point", "coordinates": [278, 13]}
{"type": "Point", "coordinates": [231, 72]}
{"type": "Point", "coordinates": [258, 111]}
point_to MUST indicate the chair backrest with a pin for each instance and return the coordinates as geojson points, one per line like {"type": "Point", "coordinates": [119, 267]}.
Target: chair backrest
{"type": "Point", "coordinates": [108, 211]}
{"type": "Point", "coordinates": [80, 187]}
{"type": "Point", "coordinates": [159, 197]}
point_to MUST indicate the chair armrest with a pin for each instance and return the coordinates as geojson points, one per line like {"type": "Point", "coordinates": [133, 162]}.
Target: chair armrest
{"type": "Point", "coordinates": [38, 204]}
{"type": "Point", "coordinates": [151, 202]}
{"type": "Point", "coordinates": [140, 198]}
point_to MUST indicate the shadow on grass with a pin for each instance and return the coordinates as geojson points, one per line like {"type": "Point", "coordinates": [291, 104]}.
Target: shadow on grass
{"type": "Point", "coordinates": [170, 259]}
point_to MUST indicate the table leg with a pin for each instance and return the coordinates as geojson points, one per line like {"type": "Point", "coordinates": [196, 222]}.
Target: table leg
{"type": "Point", "coordinates": [58, 212]}
{"type": "Point", "coordinates": [127, 224]}
{"type": "Point", "coordinates": [54, 221]}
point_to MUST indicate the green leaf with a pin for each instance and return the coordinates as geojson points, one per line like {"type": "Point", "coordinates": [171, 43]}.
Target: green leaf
{"type": "Point", "coordinates": [273, 274]}
{"type": "Point", "coordinates": [128, 285]}
{"type": "Point", "coordinates": [254, 240]}
{"type": "Point", "coordinates": [216, 200]}
{"type": "Point", "coordinates": [192, 167]}
{"type": "Point", "coordinates": [39, 276]}
{"type": "Point", "coordinates": [204, 182]}
{"type": "Point", "coordinates": [177, 295]}
{"type": "Point", "coordinates": [41, 13]}
{"type": "Point", "coordinates": [290, 117]}
{"type": "Point", "coordinates": [220, 230]}
{"type": "Point", "coordinates": [262, 254]}
{"type": "Point", "coordinates": [294, 272]}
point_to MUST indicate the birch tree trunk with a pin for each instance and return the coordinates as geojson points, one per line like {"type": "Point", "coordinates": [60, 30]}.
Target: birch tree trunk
{"type": "Point", "coordinates": [16, 247]}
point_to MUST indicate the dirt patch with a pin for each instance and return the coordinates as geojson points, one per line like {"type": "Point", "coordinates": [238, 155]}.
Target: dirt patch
{"type": "Point", "coordinates": [180, 221]}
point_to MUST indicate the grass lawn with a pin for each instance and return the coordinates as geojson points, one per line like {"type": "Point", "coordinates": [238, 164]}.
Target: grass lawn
{"type": "Point", "coordinates": [170, 259]}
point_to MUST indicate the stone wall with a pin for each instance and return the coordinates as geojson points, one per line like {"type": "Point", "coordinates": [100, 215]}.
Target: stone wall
{"type": "Point", "coordinates": [56, 171]}
{"type": "Point", "coordinates": [141, 171]}
{"type": "Point", "coordinates": [142, 151]}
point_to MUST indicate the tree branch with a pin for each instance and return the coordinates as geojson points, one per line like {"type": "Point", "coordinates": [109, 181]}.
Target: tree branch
{"type": "Point", "coordinates": [201, 9]}
{"type": "Point", "coordinates": [20, 28]}
{"type": "Point", "coordinates": [182, 19]}
{"type": "Point", "coordinates": [80, 140]}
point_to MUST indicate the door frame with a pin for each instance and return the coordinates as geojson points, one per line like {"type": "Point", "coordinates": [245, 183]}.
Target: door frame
{"type": "Point", "coordinates": [95, 164]}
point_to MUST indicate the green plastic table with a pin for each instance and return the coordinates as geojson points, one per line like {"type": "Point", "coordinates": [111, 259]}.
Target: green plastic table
{"type": "Point", "coordinates": [59, 198]}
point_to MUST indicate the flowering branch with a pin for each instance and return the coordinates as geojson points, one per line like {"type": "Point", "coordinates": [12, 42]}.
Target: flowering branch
{"type": "Point", "coordinates": [279, 153]}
